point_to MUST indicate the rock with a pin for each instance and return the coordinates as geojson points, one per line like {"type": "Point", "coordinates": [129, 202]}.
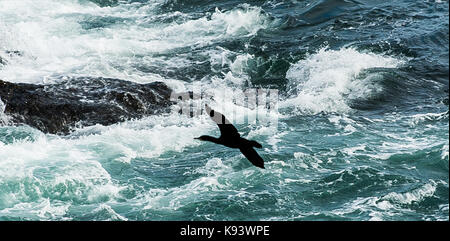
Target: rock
{"type": "Point", "coordinates": [57, 108]}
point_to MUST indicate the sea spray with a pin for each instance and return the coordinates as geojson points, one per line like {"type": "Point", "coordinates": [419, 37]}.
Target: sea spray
{"type": "Point", "coordinates": [326, 80]}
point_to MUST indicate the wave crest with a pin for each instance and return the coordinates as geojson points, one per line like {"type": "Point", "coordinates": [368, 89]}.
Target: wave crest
{"type": "Point", "coordinates": [325, 81]}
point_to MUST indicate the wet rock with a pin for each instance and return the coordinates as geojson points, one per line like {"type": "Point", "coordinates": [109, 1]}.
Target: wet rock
{"type": "Point", "coordinates": [58, 108]}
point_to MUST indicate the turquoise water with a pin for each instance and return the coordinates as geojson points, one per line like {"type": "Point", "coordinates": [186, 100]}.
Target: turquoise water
{"type": "Point", "coordinates": [362, 131]}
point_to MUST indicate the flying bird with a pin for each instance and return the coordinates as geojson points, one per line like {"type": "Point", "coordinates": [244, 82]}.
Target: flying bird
{"type": "Point", "coordinates": [230, 137]}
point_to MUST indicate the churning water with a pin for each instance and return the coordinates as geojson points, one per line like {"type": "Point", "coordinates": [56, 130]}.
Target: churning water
{"type": "Point", "coordinates": [362, 128]}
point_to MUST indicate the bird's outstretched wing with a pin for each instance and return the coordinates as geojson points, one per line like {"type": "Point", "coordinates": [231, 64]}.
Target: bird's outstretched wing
{"type": "Point", "coordinates": [226, 128]}
{"type": "Point", "coordinates": [252, 156]}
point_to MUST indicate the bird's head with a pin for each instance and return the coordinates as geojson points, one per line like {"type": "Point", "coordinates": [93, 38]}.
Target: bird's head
{"type": "Point", "coordinates": [208, 138]}
{"type": "Point", "coordinates": [202, 138]}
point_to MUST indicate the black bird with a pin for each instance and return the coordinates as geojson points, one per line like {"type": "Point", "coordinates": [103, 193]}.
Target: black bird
{"type": "Point", "coordinates": [230, 137]}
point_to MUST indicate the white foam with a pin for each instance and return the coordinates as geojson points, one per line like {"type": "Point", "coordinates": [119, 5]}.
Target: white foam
{"type": "Point", "coordinates": [326, 80]}
{"type": "Point", "coordinates": [3, 117]}
{"type": "Point", "coordinates": [41, 210]}
{"type": "Point", "coordinates": [444, 154]}
{"type": "Point", "coordinates": [243, 21]}
{"type": "Point", "coordinates": [174, 198]}
{"type": "Point", "coordinates": [48, 210]}
{"type": "Point", "coordinates": [108, 211]}
{"type": "Point", "coordinates": [417, 119]}
{"type": "Point", "coordinates": [416, 195]}
{"type": "Point", "coordinates": [71, 168]}
{"type": "Point", "coordinates": [54, 43]}
{"type": "Point", "coordinates": [218, 181]}
{"type": "Point", "coordinates": [410, 140]}
{"type": "Point", "coordinates": [343, 122]}
{"type": "Point", "coordinates": [228, 96]}
{"type": "Point", "coordinates": [355, 149]}
{"type": "Point", "coordinates": [307, 161]}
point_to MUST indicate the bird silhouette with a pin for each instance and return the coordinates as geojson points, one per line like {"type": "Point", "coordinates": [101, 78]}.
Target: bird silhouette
{"type": "Point", "coordinates": [230, 137]}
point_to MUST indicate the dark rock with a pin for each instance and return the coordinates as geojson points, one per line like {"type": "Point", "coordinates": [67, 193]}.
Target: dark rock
{"type": "Point", "coordinates": [57, 108]}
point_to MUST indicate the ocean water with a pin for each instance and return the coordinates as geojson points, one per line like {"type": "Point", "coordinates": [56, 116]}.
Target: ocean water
{"type": "Point", "coordinates": [362, 127]}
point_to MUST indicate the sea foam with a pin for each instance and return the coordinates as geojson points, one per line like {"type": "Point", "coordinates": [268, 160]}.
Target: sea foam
{"type": "Point", "coordinates": [64, 40]}
{"type": "Point", "coordinates": [324, 81]}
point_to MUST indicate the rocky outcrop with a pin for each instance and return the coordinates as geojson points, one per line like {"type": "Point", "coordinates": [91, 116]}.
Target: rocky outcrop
{"type": "Point", "coordinates": [57, 108]}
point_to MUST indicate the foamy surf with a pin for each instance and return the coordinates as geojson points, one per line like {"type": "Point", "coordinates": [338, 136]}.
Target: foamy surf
{"type": "Point", "coordinates": [361, 132]}
{"type": "Point", "coordinates": [327, 80]}
{"type": "Point", "coordinates": [54, 42]}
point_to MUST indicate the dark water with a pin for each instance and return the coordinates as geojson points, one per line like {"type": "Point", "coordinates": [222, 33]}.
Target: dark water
{"type": "Point", "coordinates": [362, 132]}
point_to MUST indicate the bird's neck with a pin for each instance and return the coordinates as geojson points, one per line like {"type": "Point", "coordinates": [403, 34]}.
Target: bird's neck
{"type": "Point", "coordinates": [212, 139]}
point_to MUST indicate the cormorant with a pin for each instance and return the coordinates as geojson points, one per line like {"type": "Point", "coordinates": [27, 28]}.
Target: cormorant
{"type": "Point", "coordinates": [230, 137]}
